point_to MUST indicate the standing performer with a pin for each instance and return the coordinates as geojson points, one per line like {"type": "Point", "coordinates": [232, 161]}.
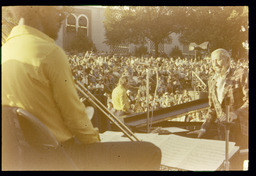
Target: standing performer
{"type": "Point", "coordinates": [36, 76]}
{"type": "Point", "coordinates": [232, 85]}
{"type": "Point", "coordinates": [119, 97]}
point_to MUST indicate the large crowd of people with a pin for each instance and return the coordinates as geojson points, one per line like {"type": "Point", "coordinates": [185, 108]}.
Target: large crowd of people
{"type": "Point", "coordinates": [170, 80]}
{"type": "Point", "coordinates": [39, 93]}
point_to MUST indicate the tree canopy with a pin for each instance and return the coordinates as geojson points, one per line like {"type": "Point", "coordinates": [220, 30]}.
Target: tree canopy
{"type": "Point", "coordinates": [225, 27]}
{"type": "Point", "coordinates": [138, 24]}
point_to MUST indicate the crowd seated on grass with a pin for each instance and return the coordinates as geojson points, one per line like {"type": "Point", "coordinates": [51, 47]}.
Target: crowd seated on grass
{"type": "Point", "coordinates": [170, 80]}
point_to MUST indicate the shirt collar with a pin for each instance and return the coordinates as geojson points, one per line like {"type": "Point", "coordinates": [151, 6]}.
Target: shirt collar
{"type": "Point", "coordinates": [24, 29]}
{"type": "Point", "coordinates": [216, 76]}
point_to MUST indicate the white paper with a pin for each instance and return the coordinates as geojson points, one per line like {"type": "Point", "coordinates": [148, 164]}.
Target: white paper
{"type": "Point", "coordinates": [110, 136]}
{"type": "Point", "coordinates": [174, 129]}
{"type": "Point", "coordinates": [175, 149]}
{"type": "Point", "coordinates": [194, 154]}
{"type": "Point", "coordinates": [182, 152]}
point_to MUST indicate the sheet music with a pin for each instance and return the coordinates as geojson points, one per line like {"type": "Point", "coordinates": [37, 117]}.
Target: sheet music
{"type": "Point", "coordinates": [175, 149]}
{"type": "Point", "coordinates": [206, 155]}
{"type": "Point", "coordinates": [154, 138]}
{"type": "Point", "coordinates": [146, 136]}
{"type": "Point", "coordinates": [182, 152]}
{"type": "Point", "coordinates": [205, 159]}
{"type": "Point", "coordinates": [174, 129]}
{"type": "Point", "coordinates": [194, 154]}
{"type": "Point", "coordinates": [110, 136]}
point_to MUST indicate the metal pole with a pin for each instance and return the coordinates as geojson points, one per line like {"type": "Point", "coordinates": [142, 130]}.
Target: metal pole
{"type": "Point", "coordinates": [226, 163]}
{"type": "Point", "coordinates": [147, 70]}
{"type": "Point", "coordinates": [193, 83]}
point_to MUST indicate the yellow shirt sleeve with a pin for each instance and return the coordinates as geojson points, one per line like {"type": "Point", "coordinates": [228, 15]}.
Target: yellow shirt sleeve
{"type": "Point", "coordinates": [124, 102]}
{"type": "Point", "coordinates": [67, 99]}
{"type": "Point", "coordinates": [120, 99]}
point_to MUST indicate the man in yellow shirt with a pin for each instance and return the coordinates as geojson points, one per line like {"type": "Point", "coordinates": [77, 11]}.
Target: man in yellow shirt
{"type": "Point", "coordinates": [36, 76]}
{"type": "Point", "coordinates": [119, 97]}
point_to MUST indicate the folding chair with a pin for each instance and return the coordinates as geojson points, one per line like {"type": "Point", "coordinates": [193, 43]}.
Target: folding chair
{"type": "Point", "coordinates": [27, 144]}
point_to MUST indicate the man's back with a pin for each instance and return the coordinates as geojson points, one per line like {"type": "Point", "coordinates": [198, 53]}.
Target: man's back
{"type": "Point", "coordinates": [36, 77]}
{"type": "Point", "coordinates": [116, 96]}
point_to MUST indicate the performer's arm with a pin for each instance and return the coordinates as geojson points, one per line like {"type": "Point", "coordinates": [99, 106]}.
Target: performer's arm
{"type": "Point", "coordinates": [125, 103]}
{"type": "Point", "coordinates": [211, 113]}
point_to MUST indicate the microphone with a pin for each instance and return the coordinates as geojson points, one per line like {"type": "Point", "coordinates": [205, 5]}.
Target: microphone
{"type": "Point", "coordinates": [227, 103]}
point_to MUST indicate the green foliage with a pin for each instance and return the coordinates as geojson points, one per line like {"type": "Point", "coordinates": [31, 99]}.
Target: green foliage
{"type": "Point", "coordinates": [138, 24]}
{"type": "Point", "coordinates": [176, 52]}
{"type": "Point", "coordinates": [81, 43]}
{"type": "Point", "coordinates": [223, 27]}
{"type": "Point", "coordinates": [140, 51]}
{"type": "Point", "coordinates": [220, 26]}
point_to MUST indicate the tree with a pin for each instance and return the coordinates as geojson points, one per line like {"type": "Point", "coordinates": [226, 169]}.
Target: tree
{"type": "Point", "coordinates": [140, 51]}
{"type": "Point", "coordinates": [176, 52]}
{"type": "Point", "coordinates": [81, 43]}
{"type": "Point", "coordinates": [223, 27]}
{"type": "Point", "coordinates": [137, 24]}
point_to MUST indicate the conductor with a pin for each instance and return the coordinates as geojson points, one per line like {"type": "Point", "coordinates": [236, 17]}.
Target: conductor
{"type": "Point", "coordinates": [228, 87]}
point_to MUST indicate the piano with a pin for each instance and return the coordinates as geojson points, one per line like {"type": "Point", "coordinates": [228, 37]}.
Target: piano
{"type": "Point", "coordinates": [162, 117]}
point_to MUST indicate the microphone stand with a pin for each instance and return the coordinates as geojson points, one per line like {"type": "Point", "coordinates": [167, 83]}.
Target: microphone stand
{"type": "Point", "coordinates": [147, 70]}
{"type": "Point", "coordinates": [227, 130]}
{"type": "Point", "coordinates": [147, 93]}
{"type": "Point", "coordinates": [154, 96]}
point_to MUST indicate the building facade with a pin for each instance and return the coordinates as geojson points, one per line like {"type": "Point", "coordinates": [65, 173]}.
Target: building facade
{"type": "Point", "coordinates": [89, 21]}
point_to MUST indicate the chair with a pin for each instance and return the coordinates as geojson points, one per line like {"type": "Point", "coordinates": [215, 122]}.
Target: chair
{"type": "Point", "coordinates": [27, 144]}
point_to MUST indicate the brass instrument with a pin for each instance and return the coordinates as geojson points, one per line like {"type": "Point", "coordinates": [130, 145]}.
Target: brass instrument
{"type": "Point", "coordinates": [93, 100]}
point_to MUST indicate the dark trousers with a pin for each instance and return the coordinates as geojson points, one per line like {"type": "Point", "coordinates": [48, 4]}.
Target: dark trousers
{"type": "Point", "coordinates": [235, 134]}
{"type": "Point", "coordinates": [115, 155]}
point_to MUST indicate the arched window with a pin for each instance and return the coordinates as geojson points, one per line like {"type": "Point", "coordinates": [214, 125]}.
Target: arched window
{"type": "Point", "coordinates": [71, 23]}
{"type": "Point", "coordinates": [82, 21]}
{"type": "Point", "coordinates": [82, 25]}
